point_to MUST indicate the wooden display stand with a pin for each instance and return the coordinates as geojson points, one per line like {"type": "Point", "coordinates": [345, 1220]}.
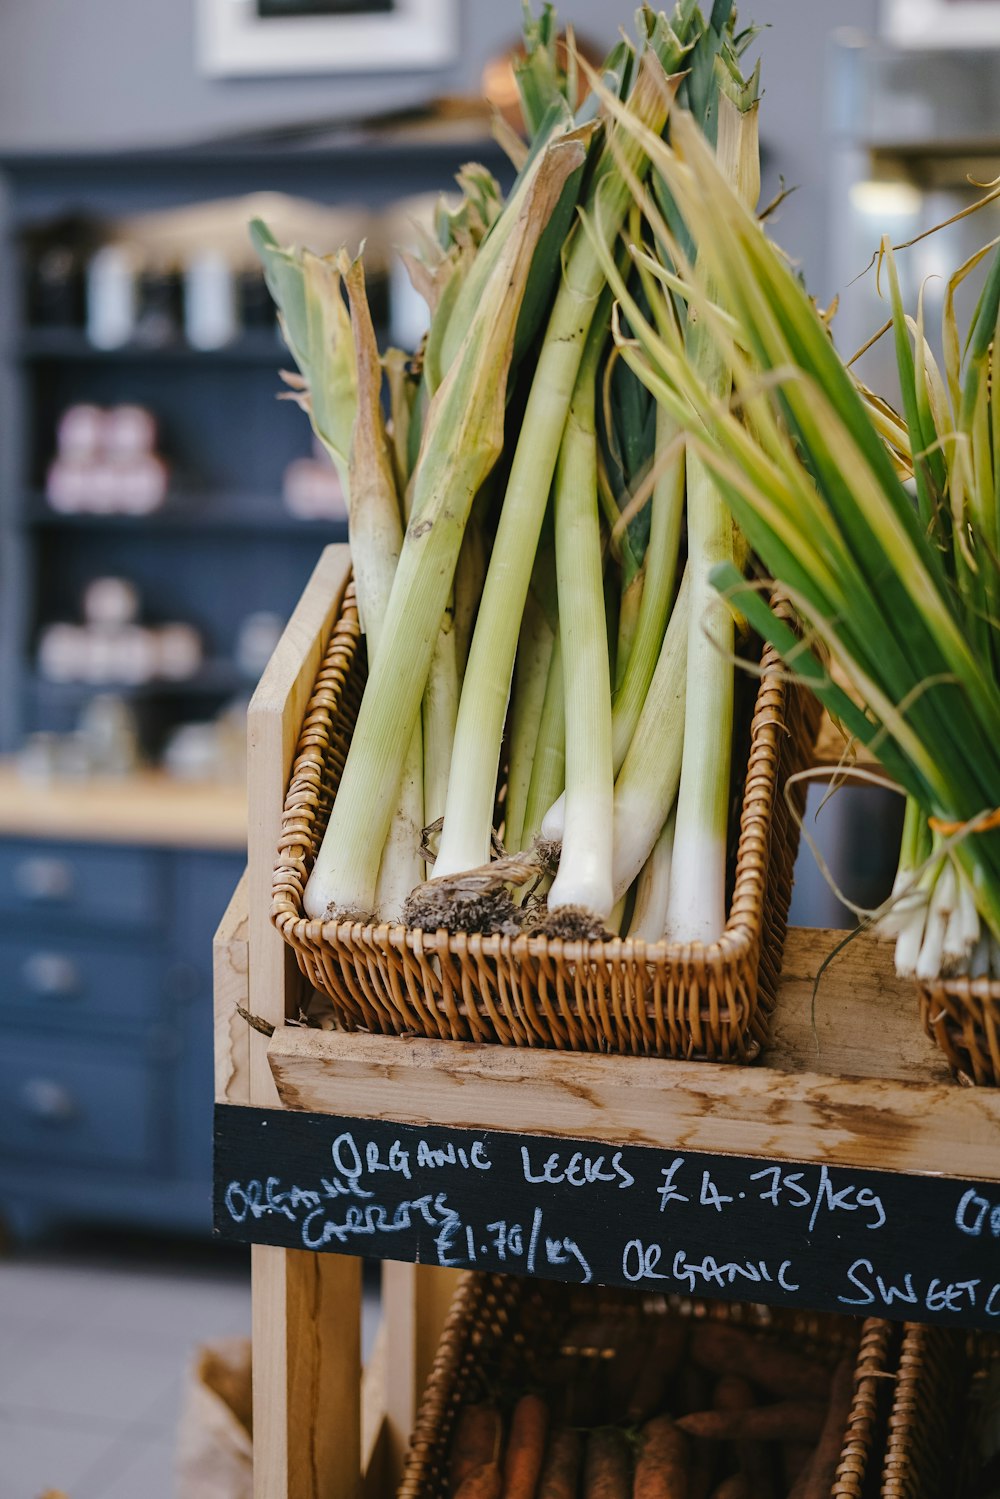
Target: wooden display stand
{"type": "Point", "coordinates": [854, 1089]}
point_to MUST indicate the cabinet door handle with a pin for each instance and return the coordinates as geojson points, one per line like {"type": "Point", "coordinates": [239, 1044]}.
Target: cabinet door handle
{"type": "Point", "coordinates": [50, 975]}
{"type": "Point", "coordinates": [47, 1101]}
{"type": "Point", "coordinates": [43, 878]}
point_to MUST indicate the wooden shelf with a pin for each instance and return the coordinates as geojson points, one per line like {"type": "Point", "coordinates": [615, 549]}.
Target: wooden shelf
{"type": "Point", "coordinates": [148, 808]}
{"type": "Point", "coordinates": [72, 345]}
{"type": "Point", "coordinates": [188, 511]}
{"type": "Point", "coordinates": [219, 678]}
{"type": "Point", "coordinates": [867, 1090]}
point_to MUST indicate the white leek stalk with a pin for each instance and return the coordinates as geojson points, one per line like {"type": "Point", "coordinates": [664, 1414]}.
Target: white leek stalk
{"type": "Point", "coordinates": [583, 880]}
{"type": "Point", "coordinates": [376, 542]}
{"type": "Point", "coordinates": [646, 788]}
{"type": "Point", "coordinates": [531, 673]}
{"type": "Point", "coordinates": [652, 889]}
{"type": "Point", "coordinates": [659, 579]}
{"type": "Point", "coordinates": [548, 771]}
{"type": "Point", "coordinates": [438, 713]}
{"type": "Point", "coordinates": [697, 909]}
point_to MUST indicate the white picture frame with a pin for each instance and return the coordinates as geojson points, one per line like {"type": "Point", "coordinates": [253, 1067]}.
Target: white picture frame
{"type": "Point", "coordinates": [234, 40]}
{"type": "Point", "coordinates": [941, 23]}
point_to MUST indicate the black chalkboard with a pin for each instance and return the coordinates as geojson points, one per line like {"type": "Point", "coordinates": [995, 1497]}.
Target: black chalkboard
{"type": "Point", "coordinates": [916, 1248]}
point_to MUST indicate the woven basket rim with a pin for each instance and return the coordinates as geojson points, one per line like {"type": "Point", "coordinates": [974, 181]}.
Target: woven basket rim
{"type": "Point", "coordinates": [744, 921]}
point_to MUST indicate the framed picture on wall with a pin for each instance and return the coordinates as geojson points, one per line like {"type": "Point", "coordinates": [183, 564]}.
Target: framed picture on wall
{"type": "Point", "coordinates": [942, 23]}
{"type": "Point", "coordinates": [247, 37]}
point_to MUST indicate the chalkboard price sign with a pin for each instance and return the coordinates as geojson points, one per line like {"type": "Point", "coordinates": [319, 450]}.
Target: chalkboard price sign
{"type": "Point", "coordinates": [916, 1248]}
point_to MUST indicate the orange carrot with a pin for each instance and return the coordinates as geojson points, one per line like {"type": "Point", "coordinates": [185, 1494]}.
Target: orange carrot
{"type": "Point", "coordinates": [816, 1478]}
{"type": "Point", "coordinates": [484, 1482]}
{"type": "Point", "coordinates": [476, 1441]}
{"type": "Point", "coordinates": [606, 1466]}
{"type": "Point", "coordinates": [663, 1358]}
{"type": "Point", "coordinates": [779, 1371]}
{"type": "Point", "coordinates": [561, 1472]}
{"type": "Point", "coordinates": [737, 1486]}
{"type": "Point", "coordinates": [788, 1421]}
{"type": "Point", "coordinates": [794, 1457]}
{"type": "Point", "coordinates": [662, 1467]}
{"type": "Point", "coordinates": [734, 1393]}
{"type": "Point", "coordinates": [522, 1465]}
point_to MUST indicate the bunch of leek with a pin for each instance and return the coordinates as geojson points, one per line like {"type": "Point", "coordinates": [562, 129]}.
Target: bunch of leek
{"type": "Point", "coordinates": [531, 541]}
{"type": "Point", "coordinates": [901, 591]}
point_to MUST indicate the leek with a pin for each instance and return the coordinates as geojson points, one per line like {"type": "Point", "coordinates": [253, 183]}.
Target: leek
{"type": "Point", "coordinates": [463, 436]}
{"type": "Point", "coordinates": [582, 886]}
{"type": "Point", "coordinates": [468, 820]}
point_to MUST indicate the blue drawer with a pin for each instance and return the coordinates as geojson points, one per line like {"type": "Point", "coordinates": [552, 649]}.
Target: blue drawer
{"type": "Point", "coordinates": [69, 980]}
{"type": "Point", "coordinates": [75, 1102]}
{"type": "Point", "coordinates": [81, 883]}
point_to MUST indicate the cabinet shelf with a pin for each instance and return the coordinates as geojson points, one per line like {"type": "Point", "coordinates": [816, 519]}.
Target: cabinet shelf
{"type": "Point", "coordinates": [187, 511]}
{"type": "Point", "coordinates": [214, 679]}
{"type": "Point", "coordinates": [43, 345]}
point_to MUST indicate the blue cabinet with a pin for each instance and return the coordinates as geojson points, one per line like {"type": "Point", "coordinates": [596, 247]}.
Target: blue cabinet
{"type": "Point", "coordinates": [106, 1073]}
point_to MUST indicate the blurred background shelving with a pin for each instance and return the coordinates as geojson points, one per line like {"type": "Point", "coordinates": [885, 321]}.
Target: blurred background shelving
{"type": "Point", "coordinates": [110, 888]}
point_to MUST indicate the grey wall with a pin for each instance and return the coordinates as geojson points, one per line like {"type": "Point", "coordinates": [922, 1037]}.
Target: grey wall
{"type": "Point", "coordinates": [111, 73]}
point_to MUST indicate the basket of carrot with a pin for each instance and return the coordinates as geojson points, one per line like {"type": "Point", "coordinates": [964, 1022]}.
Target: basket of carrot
{"type": "Point", "coordinates": [534, 800]}
{"type": "Point", "coordinates": [553, 1393]}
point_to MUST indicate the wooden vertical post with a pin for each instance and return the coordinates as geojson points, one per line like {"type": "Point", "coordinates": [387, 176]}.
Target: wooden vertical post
{"type": "Point", "coordinates": [415, 1303]}
{"type": "Point", "coordinates": [306, 1307]}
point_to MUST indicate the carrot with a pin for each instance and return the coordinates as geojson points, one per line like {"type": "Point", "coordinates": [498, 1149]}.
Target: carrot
{"type": "Point", "coordinates": [734, 1393]}
{"type": "Point", "coordinates": [619, 1377]}
{"type": "Point", "coordinates": [522, 1464]}
{"type": "Point", "coordinates": [694, 1389]}
{"type": "Point", "coordinates": [663, 1358]}
{"type": "Point", "coordinates": [737, 1486]}
{"type": "Point", "coordinates": [795, 1456]}
{"type": "Point", "coordinates": [561, 1471]}
{"type": "Point", "coordinates": [476, 1441]}
{"type": "Point", "coordinates": [788, 1421]}
{"type": "Point", "coordinates": [816, 1479]}
{"type": "Point", "coordinates": [605, 1468]}
{"type": "Point", "coordinates": [704, 1467]}
{"type": "Point", "coordinates": [484, 1482]}
{"type": "Point", "coordinates": [663, 1464]}
{"type": "Point", "coordinates": [779, 1371]}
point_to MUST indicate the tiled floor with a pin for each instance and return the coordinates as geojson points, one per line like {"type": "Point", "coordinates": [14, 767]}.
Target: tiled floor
{"type": "Point", "coordinates": [94, 1348]}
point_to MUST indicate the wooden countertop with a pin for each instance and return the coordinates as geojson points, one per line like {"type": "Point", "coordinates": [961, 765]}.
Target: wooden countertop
{"type": "Point", "coordinates": [147, 808]}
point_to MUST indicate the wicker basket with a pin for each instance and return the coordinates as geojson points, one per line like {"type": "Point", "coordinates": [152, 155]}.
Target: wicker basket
{"type": "Point", "coordinates": [937, 1414]}
{"type": "Point", "coordinates": [503, 1332]}
{"type": "Point", "coordinates": [962, 1017]}
{"type": "Point", "coordinates": [622, 996]}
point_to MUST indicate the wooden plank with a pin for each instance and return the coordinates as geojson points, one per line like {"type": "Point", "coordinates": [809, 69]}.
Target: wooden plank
{"type": "Point", "coordinates": [231, 988]}
{"type": "Point", "coordinates": [896, 1110]}
{"type": "Point", "coordinates": [784, 1232]}
{"type": "Point", "coordinates": [374, 1425]}
{"type": "Point", "coordinates": [860, 1020]}
{"type": "Point", "coordinates": [416, 1300]}
{"type": "Point", "coordinates": [148, 808]}
{"type": "Point", "coordinates": [306, 1307]}
{"type": "Point", "coordinates": [274, 718]}
{"type": "Point", "coordinates": [306, 1328]}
